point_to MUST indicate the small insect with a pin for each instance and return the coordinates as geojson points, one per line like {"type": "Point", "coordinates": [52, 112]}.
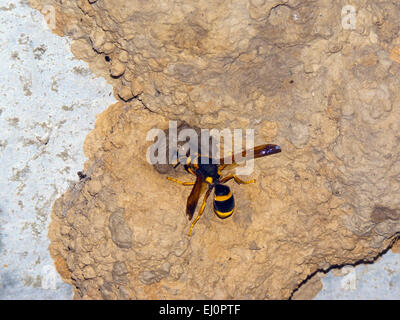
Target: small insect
{"type": "Point", "coordinates": [81, 175]}
{"type": "Point", "coordinates": [209, 177]}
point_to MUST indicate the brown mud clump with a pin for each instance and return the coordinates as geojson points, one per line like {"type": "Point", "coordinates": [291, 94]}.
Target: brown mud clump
{"type": "Point", "coordinates": [303, 75]}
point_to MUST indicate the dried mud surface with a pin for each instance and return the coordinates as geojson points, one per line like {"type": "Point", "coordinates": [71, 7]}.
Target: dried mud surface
{"type": "Point", "coordinates": [328, 96]}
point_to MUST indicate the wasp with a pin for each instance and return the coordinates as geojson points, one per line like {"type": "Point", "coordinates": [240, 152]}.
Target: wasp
{"type": "Point", "coordinates": [209, 177]}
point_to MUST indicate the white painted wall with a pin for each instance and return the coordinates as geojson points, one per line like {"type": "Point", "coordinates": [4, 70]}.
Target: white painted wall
{"type": "Point", "coordinates": [48, 104]}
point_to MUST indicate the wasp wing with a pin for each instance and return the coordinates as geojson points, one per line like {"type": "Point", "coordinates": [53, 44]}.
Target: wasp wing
{"type": "Point", "coordinates": [256, 152]}
{"type": "Point", "coordinates": [194, 196]}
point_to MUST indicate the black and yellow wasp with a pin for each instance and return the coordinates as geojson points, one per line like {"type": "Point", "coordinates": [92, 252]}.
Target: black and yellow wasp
{"type": "Point", "coordinates": [208, 177]}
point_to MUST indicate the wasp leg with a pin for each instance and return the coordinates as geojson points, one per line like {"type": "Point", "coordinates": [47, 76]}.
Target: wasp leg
{"type": "Point", "coordinates": [221, 167]}
{"type": "Point", "coordinates": [191, 171]}
{"type": "Point", "coordinates": [181, 182]}
{"type": "Point", "coordinates": [200, 212]}
{"type": "Point", "coordinates": [240, 181]}
{"type": "Point", "coordinates": [237, 179]}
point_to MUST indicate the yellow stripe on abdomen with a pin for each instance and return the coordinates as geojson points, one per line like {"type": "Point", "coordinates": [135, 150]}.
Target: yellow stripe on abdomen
{"type": "Point", "coordinates": [223, 214]}
{"type": "Point", "coordinates": [223, 198]}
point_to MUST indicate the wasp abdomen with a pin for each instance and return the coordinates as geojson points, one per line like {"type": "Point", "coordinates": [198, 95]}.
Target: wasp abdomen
{"type": "Point", "coordinates": [224, 202]}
